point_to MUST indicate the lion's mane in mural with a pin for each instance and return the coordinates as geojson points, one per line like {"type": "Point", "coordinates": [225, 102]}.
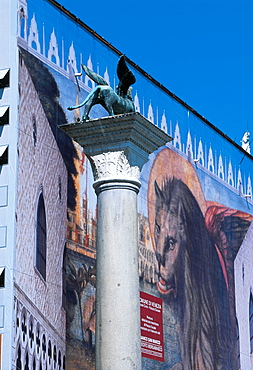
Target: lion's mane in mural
{"type": "Point", "coordinates": [190, 278]}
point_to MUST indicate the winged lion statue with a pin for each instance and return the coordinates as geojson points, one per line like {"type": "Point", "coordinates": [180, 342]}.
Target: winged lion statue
{"type": "Point", "coordinates": [118, 102]}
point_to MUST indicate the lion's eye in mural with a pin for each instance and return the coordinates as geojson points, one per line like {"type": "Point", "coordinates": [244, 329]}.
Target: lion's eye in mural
{"type": "Point", "coordinates": [170, 245]}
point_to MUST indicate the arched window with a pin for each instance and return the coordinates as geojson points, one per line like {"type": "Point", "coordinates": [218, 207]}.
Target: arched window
{"type": "Point", "coordinates": [49, 352]}
{"type": "Point", "coordinates": [251, 322]}
{"type": "Point", "coordinates": [41, 238]}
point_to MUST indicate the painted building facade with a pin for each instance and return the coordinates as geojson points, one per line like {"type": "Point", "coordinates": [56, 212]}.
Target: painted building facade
{"type": "Point", "coordinates": [195, 210]}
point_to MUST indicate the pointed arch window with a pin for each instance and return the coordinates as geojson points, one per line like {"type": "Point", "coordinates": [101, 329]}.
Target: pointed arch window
{"type": "Point", "coordinates": [251, 322]}
{"type": "Point", "coordinates": [41, 238]}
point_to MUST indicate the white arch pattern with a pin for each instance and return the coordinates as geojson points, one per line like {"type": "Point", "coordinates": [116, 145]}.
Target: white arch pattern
{"type": "Point", "coordinates": [34, 345]}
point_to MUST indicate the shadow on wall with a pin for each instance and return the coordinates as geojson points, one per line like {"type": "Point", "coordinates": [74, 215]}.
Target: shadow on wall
{"type": "Point", "coordinates": [49, 94]}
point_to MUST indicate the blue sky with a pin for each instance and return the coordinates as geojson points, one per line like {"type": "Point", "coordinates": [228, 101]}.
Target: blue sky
{"type": "Point", "coordinates": [201, 50]}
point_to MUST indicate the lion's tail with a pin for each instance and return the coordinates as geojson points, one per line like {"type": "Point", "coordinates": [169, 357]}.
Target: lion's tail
{"type": "Point", "coordinates": [85, 100]}
{"type": "Point", "coordinates": [77, 106]}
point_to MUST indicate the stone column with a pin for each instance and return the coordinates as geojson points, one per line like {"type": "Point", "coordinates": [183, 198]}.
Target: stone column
{"type": "Point", "coordinates": [117, 312]}
{"type": "Point", "coordinates": [117, 148]}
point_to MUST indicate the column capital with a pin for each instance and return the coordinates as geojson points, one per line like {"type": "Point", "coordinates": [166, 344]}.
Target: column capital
{"type": "Point", "coordinates": [113, 166]}
{"type": "Point", "coordinates": [112, 170]}
{"type": "Point", "coordinates": [131, 133]}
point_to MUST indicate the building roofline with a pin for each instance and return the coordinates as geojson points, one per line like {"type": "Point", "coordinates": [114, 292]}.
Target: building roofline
{"type": "Point", "coordinates": [144, 73]}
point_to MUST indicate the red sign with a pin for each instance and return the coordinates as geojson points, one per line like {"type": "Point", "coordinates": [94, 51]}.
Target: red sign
{"type": "Point", "coordinates": [151, 327]}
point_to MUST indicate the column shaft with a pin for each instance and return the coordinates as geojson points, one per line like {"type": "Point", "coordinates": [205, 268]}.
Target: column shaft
{"type": "Point", "coordinates": [117, 312]}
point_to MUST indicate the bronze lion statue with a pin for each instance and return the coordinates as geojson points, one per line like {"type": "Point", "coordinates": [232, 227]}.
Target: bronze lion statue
{"type": "Point", "coordinates": [114, 102]}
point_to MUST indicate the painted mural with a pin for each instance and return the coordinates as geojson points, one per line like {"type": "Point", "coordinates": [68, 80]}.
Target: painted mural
{"type": "Point", "coordinates": [194, 208]}
{"type": "Point", "coordinates": [80, 268]}
{"type": "Point", "coordinates": [193, 243]}
{"type": "Point", "coordinates": [188, 243]}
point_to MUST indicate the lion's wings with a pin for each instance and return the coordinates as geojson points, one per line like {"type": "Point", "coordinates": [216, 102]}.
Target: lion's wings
{"type": "Point", "coordinates": [94, 76]}
{"type": "Point", "coordinates": [126, 77]}
{"type": "Point", "coordinates": [227, 228]}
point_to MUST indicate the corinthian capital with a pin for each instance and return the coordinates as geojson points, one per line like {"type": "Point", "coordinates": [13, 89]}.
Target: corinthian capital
{"type": "Point", "coordinates": [113, 165]}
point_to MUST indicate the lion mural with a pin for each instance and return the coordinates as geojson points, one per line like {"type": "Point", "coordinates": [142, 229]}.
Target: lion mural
{"type": "Point", "coordinates": [190, 277]}
{"type": "Point", "coordinates": [192, 243]}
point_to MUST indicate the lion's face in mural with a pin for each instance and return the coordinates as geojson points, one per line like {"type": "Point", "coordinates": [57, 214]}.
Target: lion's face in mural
{"type": "Point", "coordinates": [169, 235]}
{"type": "Point", "coordinates": [189, 274]}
